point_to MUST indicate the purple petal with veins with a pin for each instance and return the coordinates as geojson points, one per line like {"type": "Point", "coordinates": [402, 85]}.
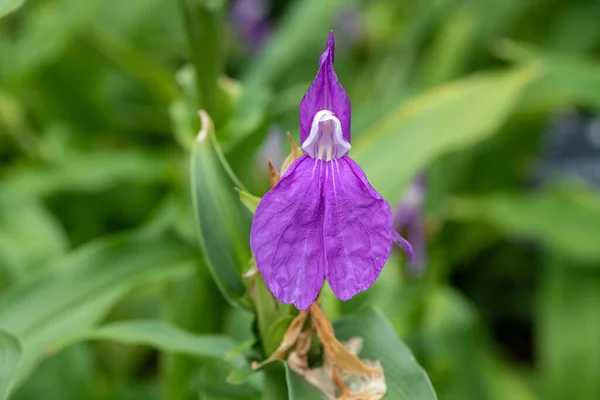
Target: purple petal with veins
{"type": "Point", "coordinates": [358, 232]}
{"type": "Point", "coordinates": [287, 233]}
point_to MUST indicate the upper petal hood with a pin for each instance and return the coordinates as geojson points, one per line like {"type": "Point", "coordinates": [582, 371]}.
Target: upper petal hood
{"type": "Point", "coordinates": [325, 93]}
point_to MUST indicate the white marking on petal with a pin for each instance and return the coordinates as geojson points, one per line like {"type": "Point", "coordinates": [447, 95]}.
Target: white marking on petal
{"type": "Point", "coordinates": [333, 173]}
{"type": "Point", "coordinates": [326, 140]}
{"type": "Point", "coordinates": [314, 169]}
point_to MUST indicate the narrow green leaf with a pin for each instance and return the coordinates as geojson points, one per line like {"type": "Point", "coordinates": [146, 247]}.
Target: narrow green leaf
{"type": "Point", "coordinates": [568, 331]}
{"type": "Point", "coordinates": [10, 352]}
{"type": "Point", "coordinates": [136, 62]}
{"type": "Point", "coordinates": [30, 237]}
{"type": "Point", "coordinates": [31, 49]}
{"type": "Point", "coordinates": [507, 381]}
{"type": "Point", "coordinates": [163, 336]}
{"type": "Point", "coordinates": [465, 365]}
{"type": "Point", "coordinates": [189, 305]}
{"type": "Point", "coordinates": [276, 333]}
{"type": "Point", "coordinates": [169, 338]}
{"type": "Point", "coordinates": [451, 334]}
{"type": "Point", "coordinates": [68, 374]}
{"type": "Point", "coordinates": [241, 375]}
{"type": "Point", "coordinates": [268, 312]}
{"type": "Point", "coordinates": [223, 222]}
{"type": "Point", "coordinates": [74, 296]}
{"type": "Point", "coordinates": [404, 377]}
{"type": "Point", "coordinates": [447, 118]}
{"type": "Point", "coordinates": [282, 383]}
{"type": "Point", "coordinates": [213, 382]}
{"type": "Point", "coordinates": [453, 44]}
{"type": "Point", "coordinates": [564, 219]}
{"type": "Point", "coordinates": [567, 79]}
{"type": "Point", "coordinates": [8, 6]}
{"type": "Point", "coordinates": [89, 172]}
{"type": "Point", "coordinates": [250, 201]}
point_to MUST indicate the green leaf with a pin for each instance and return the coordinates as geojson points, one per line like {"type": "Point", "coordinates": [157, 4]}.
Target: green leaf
{"type": "Point", "coordinates": [277, 332]}
{"type": "Point", "coordinates": [404, 377]}
{"type": "Point", "coordinates": [250, 201]}
{"type": "Point", "coordinates": [31, 50]}
{"type": "Point", "coordinates": [133, 60]}
{"type": "Point", "coordinates": [506, 381]}
{"type": "Point", "coordinates": [90, 172]}
{"type": "Point", "coordinates": [566, 79]}
{"type": "Point", "coordinates": [449, 51]}
{"type": "Point", "coordinates": [162, 336]}
{"type": "Point", "coordinates": [8, 6]}
{"type": "Point", "coordinates": [564, 219]}
{"type": "Point", "coordinates": [190, 305]}
{"type": "Point", "coordinates": [459, 356]}
{"type": "Point", "coordinates": [240, 375]}
{"type": "Point", "coordinates": [568, 328]}
{"type": "Point", "coordinates": [575, 29]}
{"type": "Point", "coordinates": [169, 338]}
{"type": "Point", "coordinates": [10, 352]}
{"type": "Point", "coordinates": [451, 334]}
{"type": "Point", "coordinates": [212, 381]}
{"type": "Point", "coordinates": [86, 284]}
{"type": "Point", "coordinates": [30, 237]}
{"type": "Point", "coordinates": [68, 374]}
{"type": "Point", "coordinates": [282, 383]}
{"type": "Point", "coordinates": [269, 312]}
{"type": "Point", "coordinates": [224, 224]}
{"type": "Point", "coordinates": [447, 118]}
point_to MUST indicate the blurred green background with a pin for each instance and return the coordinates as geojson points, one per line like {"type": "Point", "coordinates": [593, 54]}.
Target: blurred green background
{"type": "Point", "coordinates": [102, 280]}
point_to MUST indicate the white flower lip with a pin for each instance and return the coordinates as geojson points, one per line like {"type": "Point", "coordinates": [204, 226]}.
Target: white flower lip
{"type": "Point", "coordinates": [326, 140]}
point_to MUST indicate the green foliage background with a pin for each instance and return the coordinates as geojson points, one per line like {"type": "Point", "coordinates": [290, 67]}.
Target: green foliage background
{"type": "Point", "coordinates": [106, 291]}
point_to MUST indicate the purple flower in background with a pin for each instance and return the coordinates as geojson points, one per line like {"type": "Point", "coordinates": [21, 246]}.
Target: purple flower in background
{"type": "Point", "coordinates": [350, 23]}
{"type": "Point", "coordinates": [271, 149]}
{"type": "Point", "coordinates": [323, 220]}
{"type": "Point", "coordinates": [571, 149]}
{"type": "Point", "coordinates": [251, 22]}
{"type": "Point", "coordinates": [409, 219]}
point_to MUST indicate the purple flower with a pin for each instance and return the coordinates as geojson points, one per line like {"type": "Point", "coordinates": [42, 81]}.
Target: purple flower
{"type": "Point", "coordinates": [251, 22]}
{"type": "Point", "coordinates": [271, 149]}
{"type": "Point", "coordinates": [323, 220]}
{"type": "Point", "coordinates": [351, 24]}
{"type": "Point", "coordinates": [409, 219]}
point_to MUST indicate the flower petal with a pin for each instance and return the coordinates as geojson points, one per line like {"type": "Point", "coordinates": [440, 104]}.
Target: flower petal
{"type": "Point", "coordinates": [406, 246]}
{"type": "Point", "coordinates": [287, 232]}
{"type": "Point", "coordinates": [357, 229]}
{"type": "Point", "coordinates": [325, 93]}
{"type": "Point", "coordinates": [409, 219]}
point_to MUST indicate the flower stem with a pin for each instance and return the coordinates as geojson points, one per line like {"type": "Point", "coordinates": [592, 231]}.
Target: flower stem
{"type": "Point", "coordinates": [203, 22]}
